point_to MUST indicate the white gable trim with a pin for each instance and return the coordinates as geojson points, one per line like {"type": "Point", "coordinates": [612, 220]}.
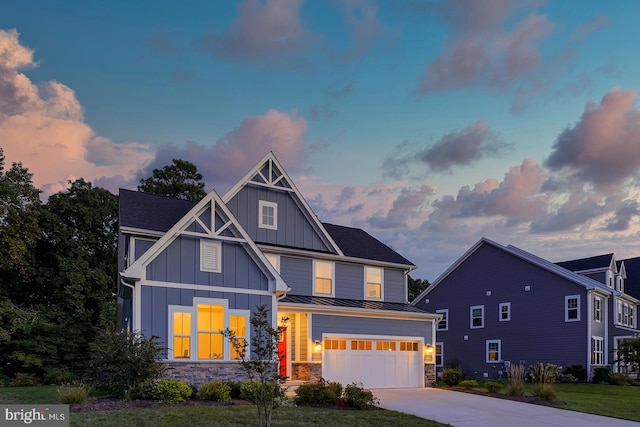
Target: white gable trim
{"type": "Point", "coordinates": [137, 270]}
{"type": "Point", "coordinates": [271, 159]}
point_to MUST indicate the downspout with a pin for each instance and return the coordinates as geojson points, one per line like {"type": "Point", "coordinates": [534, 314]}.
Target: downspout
{"type": "Point", "coordinates": [589, 317]}
{"type": "Point", "coordinates": [133, 295]}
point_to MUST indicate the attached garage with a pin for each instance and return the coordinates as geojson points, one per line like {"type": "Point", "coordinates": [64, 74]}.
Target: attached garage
{"type": "Point", "coordinates": [374, 362]}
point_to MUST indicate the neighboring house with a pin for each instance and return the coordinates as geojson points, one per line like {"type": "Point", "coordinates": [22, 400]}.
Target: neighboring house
{"type": "Point", "coordinates": [502, 305]}
{"type": "Point", "coordinates": [189, 270]}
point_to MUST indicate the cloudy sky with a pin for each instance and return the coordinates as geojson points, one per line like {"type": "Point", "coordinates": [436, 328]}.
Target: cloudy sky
{"type": "Point", "coordinates": [429, 124]}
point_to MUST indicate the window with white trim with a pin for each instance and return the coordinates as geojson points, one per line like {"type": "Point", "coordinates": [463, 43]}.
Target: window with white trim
{"type": "Point", "coordinates": [443, 324]}
{"type": "Point", "coordinates": [439, 354]}
{"type": "Point", "coordinates": [323, 272]}
{"type": "Point", "coordinates": [373, 283]}
{"type": "Point", "coordinates": [572, 308]}
{"type": "Point", "coordinates": [597, 309]}
{"type": "Point", "coordinates": [210, 256]}
{"type": "Point", "coordinates": [494, 351]}
{"type": "Point", "coordinates": [505, 311]}
{"type": "Point", "coordinates": [267, 215]}
{"type": "Point", "coordinates": [625, 314]}
{"type": "Point", "coordinates": [476, 314]}
{"type": "Point", "coordinates": [597, 351]}
{"type": "Point", "coordinates": [196, 332]}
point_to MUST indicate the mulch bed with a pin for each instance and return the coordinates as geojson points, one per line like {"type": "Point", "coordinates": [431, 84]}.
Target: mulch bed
{"type": "Point", "coordinates": [106, 404]}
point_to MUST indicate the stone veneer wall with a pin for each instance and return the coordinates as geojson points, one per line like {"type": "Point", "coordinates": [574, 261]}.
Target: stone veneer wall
{"type": "Point", "coordinates": [311, 372]}
{"type": "Point", "coordinates": [202, 373]}
{"type": "Point", "coordinates": [429, 375]}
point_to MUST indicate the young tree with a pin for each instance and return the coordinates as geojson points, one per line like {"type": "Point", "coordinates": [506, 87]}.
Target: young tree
{"type": "Point", "coordinates": [629, 354]}
{"type": "Point", "coordinates": [262, 361]}
{"type": "Point", "coordinates": [180, 180]}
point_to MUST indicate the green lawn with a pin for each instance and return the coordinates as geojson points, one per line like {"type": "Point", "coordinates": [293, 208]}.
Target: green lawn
{"type": "Point", "coordinates": [239, 415]}
{"type": "Point", "coordinates": [599, 399]}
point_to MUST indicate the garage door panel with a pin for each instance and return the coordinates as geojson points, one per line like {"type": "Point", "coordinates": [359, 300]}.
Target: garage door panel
{"type": "Point", "coordinates": [374, 368]}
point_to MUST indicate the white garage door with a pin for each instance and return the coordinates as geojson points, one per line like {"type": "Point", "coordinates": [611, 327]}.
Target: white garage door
{"type": "Point", "coordinates": [376, 363]}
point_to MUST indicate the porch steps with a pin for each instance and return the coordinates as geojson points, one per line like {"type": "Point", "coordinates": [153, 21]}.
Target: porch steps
{"type": "Point", "coordinates": [291, 387]}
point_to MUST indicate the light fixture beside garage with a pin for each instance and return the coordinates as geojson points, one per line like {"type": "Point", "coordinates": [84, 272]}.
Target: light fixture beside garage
{"type": "Point", "coordinates": [317, 347]}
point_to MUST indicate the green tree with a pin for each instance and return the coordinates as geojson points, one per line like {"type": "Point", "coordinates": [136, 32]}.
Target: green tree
{"type": "Point", "coordinates": [261, 362]}
{"type": "Point", "coordinates": [629, 354]}
{"type": "Point", "coordinates": [180, 180]}
{"type": "Point", "coordinates": [19, 231]}
{"type": "Point", "coordinates": [416, 286]}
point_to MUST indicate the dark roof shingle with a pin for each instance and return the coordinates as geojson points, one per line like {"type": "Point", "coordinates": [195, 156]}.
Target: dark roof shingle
{"type": "Point", "coordinates": [150, 211]}
{"type": "Point", "coordinates": [590, 263]}
{"type": "Point", "coordinates": [632, 283]}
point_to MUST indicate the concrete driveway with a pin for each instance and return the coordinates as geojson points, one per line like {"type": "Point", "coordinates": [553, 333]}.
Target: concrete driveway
{"type": "Point", "coordinates": [470, 410]}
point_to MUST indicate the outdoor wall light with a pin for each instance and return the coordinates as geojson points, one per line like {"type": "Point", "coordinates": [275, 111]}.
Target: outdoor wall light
{"type": "Point", "coordinates": [429, 349]}
{"type": "Point", "coordinates": [317, 346]}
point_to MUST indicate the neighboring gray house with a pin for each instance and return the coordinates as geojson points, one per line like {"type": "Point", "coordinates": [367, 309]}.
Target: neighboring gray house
{"type": "Point", "coordinates": [189, 270]}
{"type": "Point", "coordinates": [502, 305]}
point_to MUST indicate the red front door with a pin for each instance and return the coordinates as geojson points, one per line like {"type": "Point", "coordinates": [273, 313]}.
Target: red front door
{"type": "Point", "coordinates": [282, 350]}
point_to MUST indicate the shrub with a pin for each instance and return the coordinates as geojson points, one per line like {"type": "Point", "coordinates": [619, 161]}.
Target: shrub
{"type": "Point", "coordinates": [250, 390]}
{"type": "Point", "coordinates": [452, 363]}
{"type": "Point", "coordinates": [578, 371]}
{"type": "Point", "coordinates": [451, 376]}
{"type": "Point", "coordinates": [544, 374]}
{"type": "Point", "coordinates": [69, 394]}
{"type": "Point", "coordinates": [125, 364]}
{"type": "Point", "coordinates": [235, 389]}
{"type": "Point", "coordinates": [318, 392]}
{"type": "Point", "coordinates": [58, 376]}
{"type": "Point", "coordinates": [617, 379]}
{"type": "Point", "coordinates": [493, 387]}
{"type": "Point", "coordinates": [216, 390]}
{"type": "Point", "coordinates": [544, 391]}
{"type": "Point", "coordinates": [171, 391]}
{"type": "Point", "coordinates": [25, 380]}
{"type": "Point", "coordinates": [516, 380]}
{"type": "Point", "coordinates": [355, 396]}
{"type": "Point", "coordinates": [567, 378]}
{"type": "Point", "coordinates": [600, 375]}
{"type": "Point", "coordinates": [468, 384]}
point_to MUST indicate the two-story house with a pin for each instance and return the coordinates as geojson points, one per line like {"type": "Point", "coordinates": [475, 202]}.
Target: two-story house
{"type": "Point", "coordinates": [192, 269]}
{"type": "Point", "coordinates": [503, 305]}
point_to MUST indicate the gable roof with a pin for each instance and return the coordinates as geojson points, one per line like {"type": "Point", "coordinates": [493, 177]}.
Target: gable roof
{"type": "Point", "coordinates": [632, 285]}
{"type": "Point", "coordinates": [357, 243]}
{"type": "Point", "coordinates": [269, 173]}
{"type": "Point", "coordinates": [576, 278]}
{"type": "Point", "coordinates": [229, 224]}
{"type": "Point", "coordinates": [149, 211]}
{"type": "Point", "coordinates": [598, 262]}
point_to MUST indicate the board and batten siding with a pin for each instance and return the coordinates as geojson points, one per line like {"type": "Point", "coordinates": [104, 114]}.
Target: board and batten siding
{"type": "Point", "coordinates": [155, 302]}
{"type": "Point", "coordinates": [180, 263]}
{"type": "Point", "coordinates": [294, 229]}
{"type": "Point", "coordinates": [537, 331]}
{"type": "Point", "coordinates": [297, 273]}
{"type": "Point", "coordinates": [328, 324]}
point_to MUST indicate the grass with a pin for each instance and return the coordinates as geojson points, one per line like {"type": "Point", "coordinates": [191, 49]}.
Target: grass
{"type": "Point", "coordinates": [238, 415]}
{"type": "Point", "coordinates": [598, 399]}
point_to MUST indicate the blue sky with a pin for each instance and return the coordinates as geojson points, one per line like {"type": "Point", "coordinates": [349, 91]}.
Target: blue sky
{"type": "Point", "coordinates": [429, 124]}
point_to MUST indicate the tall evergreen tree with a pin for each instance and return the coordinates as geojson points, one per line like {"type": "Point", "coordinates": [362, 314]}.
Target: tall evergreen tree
{"type": "Point", "coordinates": [416, 286]}
{"type": "Point", "coordinates": [180, 180]}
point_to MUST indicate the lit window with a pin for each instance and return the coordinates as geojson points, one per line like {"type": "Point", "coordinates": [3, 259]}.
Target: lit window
{"type": "Point", "coordinates": [335, 344]}
{"type": "Point", "coordinates": [493, 351]}
{"type": "Point", "coordinates": [386, 345]}
{"type": "Point", "coordinates": [505, 311]}
{"type": "Point", "coordinates": [408, 346]}
{"type": "Point", "coordinates": [373, 283]}
{"type": "Point", "coordinates": [360, 345]}
{"type": "Point", "coordinates": [274, 260]}
{"type": "Point", "coordinates": [477, 316]}
{"type": "Point", "coordinates": [210, 327]}
{"type": "Point", "coordinates": [268, 215]}
{"type": "Point", "coordinates": [238, 327]}
{"type": "Point", "coordinates": [181, 335]}
{"type": "Point", "coordinates": [572, 308]}
{"type": "Point", "coordinates": [323, 278]}
{"type": "Point", "coordinates": [597, 351]}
